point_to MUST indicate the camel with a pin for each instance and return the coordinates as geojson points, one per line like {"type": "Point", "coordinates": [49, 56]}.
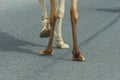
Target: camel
{"type": "Point", "coordinates": [76, 55]}
{"type": "Point", "coordinates": [45, 32]}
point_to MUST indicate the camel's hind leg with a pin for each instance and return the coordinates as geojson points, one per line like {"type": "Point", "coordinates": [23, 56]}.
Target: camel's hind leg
{"type": "Point", "coordinates": [74, 18]}
{"type": "Point", "coordinates": [45, 32]}
{"type": "Point", "coordinates": [53, 17]}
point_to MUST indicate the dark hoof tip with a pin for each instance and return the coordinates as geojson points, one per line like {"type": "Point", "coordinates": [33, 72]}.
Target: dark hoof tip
{"type": "Point", "coordinates": [45, 33]}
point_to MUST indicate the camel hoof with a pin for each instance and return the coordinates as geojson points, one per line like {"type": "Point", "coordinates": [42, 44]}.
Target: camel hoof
{"type": "Point", "coordinates": [61, 44]}
{"type": "Point", "coordinates": [80, 58]}
{"type": "Point", "coordinates": [46, 53]}
{"type": "Point", "coordinates": [45, 33]}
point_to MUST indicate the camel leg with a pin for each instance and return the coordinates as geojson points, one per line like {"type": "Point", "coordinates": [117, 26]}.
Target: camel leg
{"type": "Point", "coordinates": [53, 17]}
{"type": "Point", "coordinates": [43, 7]}
{"type": "Point", "coordinates": [45, 32]}
{"type": "Point", "coordinates": [61, 9]}
{"type": "Point", "coordinates": [74, 18]}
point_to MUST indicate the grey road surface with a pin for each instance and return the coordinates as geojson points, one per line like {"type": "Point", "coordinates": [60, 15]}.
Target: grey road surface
{"type": "Point", "coordinates": [98, 33]}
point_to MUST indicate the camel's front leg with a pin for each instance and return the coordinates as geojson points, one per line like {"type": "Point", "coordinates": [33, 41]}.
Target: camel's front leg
{"type": "Point", "coordinates": [61, 10]}
{"type": "Point", "coordinates": [53, 17]}
{"type": "Point", "coordinates": [74, 18]}
{"type": "Point", "coordinates": [45, 32]}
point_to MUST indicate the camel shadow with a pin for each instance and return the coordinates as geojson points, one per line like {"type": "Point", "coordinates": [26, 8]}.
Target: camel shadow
{"type": "Point", "coordinates": [10, 43]}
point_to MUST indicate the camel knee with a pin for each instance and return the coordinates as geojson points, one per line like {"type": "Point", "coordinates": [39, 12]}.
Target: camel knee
{"type": "Point", "coordinates": [53, 18]}
{"type": "Point", "coordinates": [61, 11]}
{"type": "Point", "coordinates": [74, 14]}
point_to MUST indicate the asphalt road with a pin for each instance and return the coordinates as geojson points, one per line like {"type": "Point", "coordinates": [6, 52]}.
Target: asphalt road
{"type": "Point", "coordinates": [98, 32]}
